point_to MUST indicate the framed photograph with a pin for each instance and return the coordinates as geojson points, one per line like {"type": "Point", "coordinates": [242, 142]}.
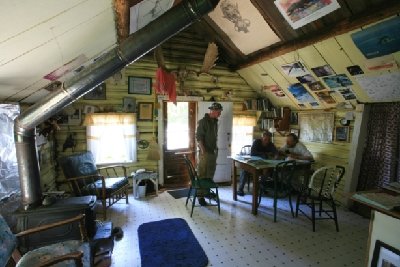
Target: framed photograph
{"type": "Point", "coordinates": [139, 85]}
{"type": "Point", "coordinates": [295, 131]}
{"type": "Point", "coordinates": [129, 104]}
{"type": "Point", "coordinates": [342, 133]}
{"type": "Point", "coordinates": [98, 93]}
{"type": "Point", "coordinates": [385, 255]}
{"type": "Point", "coordinates": [76, 118]}
{"type": "Point", "coordinates": [145, 111]}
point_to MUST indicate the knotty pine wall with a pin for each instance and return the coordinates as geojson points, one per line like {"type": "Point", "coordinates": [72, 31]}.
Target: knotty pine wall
{"type": "Point", "coordinates": [186, 50]}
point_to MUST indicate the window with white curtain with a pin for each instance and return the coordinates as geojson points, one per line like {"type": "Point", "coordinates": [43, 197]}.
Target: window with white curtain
{"type": "Point", "coordinates": [242, 132]}
{"type": "Point", "coordinates": [111, 137]}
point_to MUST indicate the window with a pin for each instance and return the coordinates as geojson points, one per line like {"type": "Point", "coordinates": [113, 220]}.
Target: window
{"type": "Point", "coordinates": [178, 125]}
{"type": "Point", "coordinates": [242, 132]}
{"type": "Point", "coordinates": [111, 137]}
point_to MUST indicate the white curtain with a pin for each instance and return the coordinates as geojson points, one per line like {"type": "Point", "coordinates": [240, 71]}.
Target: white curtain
{"type": "Point", "coordinates": [242, 133]}
{"type": "Point", "coordinates": [111, 137]}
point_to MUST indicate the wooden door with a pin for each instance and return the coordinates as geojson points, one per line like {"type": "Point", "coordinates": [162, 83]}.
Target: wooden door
{"type": "Point", "coordinates": [175, 145]}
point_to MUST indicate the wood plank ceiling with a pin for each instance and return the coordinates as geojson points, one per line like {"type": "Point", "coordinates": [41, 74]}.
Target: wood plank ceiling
{"type": "Point", "coordinates": [352, 14]}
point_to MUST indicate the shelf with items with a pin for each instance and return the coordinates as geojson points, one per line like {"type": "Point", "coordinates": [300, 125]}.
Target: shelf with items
{"type": "Point", "coordinates": [279, 120]}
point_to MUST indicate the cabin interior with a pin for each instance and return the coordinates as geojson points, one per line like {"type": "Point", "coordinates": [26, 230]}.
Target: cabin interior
{"type": "Point", "coordinates": [326, 70]}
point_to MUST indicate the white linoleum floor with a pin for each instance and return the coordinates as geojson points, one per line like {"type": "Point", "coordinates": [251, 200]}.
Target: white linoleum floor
{"type": "Point", "coordinates": [237, 238]}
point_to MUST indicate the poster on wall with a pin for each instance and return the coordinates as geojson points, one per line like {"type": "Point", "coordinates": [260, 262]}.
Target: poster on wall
{"type": "Point", "coordinates": [295, 69]}
{"type": "Point", "coordinates": [326, 97]}
{"type": "Point", "coordinates": [340, 80]}
{"type": "Point", "coordinates": [301, 12]}
{"type": "Point", "coordinates": [317, 127]}
{"type": "Point", "coordinates": [301, 93]}
{"type": "Point", "coordinates": [347, 93]}
{"type": "Point", "coordinates": [275, 89]}
{"type": "Point", "coordinates": [322, 71]}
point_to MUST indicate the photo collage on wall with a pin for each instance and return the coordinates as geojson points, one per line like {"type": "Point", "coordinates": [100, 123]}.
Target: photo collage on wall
{"type": "Point", "coordinates": [328, 87]}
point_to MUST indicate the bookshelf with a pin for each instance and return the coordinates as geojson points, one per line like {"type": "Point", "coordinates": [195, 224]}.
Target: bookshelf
{"type": "Point", "coordinates": [269, 116]}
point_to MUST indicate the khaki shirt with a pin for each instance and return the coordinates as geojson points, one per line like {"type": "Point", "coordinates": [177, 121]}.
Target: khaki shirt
{"type": "Point", "coordinates": [207, 132]}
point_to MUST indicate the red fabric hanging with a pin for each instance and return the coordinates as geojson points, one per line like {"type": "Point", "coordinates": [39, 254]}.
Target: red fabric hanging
{"type": "Point", "coordinates": [165, 84]}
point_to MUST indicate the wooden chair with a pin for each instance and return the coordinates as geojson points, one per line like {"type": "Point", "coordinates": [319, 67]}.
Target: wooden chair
{"type": "Point", "coordinates": [246, 151]}
{"type": "Point", "coordinates": [110, 184]}
{"type": "Point", "coordinates": [320, 190]}
{"type": "Point", "coordinates": [205, 184]}
{"type": "Point", "coordinates": [67, 252]}
{"type": "Point", "coordinates": [280, 184]}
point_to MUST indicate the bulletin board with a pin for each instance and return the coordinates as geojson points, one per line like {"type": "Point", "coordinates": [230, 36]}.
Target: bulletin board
{"type": "Point", "coordinates": [317, 127]}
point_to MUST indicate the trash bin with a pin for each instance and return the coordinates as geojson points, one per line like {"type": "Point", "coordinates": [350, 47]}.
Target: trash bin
{"type": "Point", "coordinates": [141, 191]}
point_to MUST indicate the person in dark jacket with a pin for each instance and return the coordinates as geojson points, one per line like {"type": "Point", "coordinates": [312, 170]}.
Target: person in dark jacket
{"type": "Point", "coordinates": [263, 148]}
{"type": "Point", "coordinates": [206, 136]}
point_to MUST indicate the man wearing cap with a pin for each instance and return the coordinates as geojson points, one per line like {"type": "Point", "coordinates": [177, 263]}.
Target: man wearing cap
{"type": "Point", "coordinates": [206, 136]}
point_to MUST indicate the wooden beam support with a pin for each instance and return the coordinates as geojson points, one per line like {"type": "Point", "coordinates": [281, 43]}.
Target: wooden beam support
{"type": "Point", "coordinates": [121, 8]}
{"type": "Point", "coordinates": [372, 15]}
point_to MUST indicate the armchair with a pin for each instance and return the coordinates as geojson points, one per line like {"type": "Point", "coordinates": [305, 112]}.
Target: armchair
{"type": "Point", "coordinates": [64, 253]}
{"type": "Point", "coordinates": [110, 184]}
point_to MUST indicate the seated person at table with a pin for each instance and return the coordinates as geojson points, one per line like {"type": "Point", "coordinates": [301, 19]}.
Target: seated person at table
{"type": "Point", "coordinates": [294, 150]}
{"type": "Point", "coordinates": [263, 148]}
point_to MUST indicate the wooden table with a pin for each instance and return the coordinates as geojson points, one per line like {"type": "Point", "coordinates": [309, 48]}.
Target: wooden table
{"type": "Point", "coordinates": [375, 203]}
{"type": "Point", "coordinates": [255, 166]}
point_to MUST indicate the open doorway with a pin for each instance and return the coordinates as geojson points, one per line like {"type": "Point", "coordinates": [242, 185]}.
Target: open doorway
{"type": "Point", "coordinates": [179, 134]}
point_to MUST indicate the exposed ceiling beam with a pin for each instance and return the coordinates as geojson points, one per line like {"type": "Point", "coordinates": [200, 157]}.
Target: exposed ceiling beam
{"type": "Point", "coordinates": [122, 19]}
{"type": "Point", "coordinates": [372, 15]}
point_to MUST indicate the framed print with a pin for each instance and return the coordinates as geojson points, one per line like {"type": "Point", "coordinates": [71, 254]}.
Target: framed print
{"type": "Point", "coordinates": [342, 133]}
{"type": "Point", "coordinates": [98, 93]}
{"type": "Point", "coordinates": [385, 255]}
{"type": "Point", "coordinates": [145, 111]}
{"type": "Point", "coordinates": [129, 104]}
{"type": "Point", "coordinates": [139, 85]}
{"type": "Point", "coordinates": [295, 131]}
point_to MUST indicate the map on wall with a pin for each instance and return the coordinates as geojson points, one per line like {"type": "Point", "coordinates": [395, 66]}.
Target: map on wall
{"type": "Point", "coordinates": [383, 87]}
{"type": "Point", "coordinates": [316, 127]}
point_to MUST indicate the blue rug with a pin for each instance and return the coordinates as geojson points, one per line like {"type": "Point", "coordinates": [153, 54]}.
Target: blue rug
{"type": "Point", "coordinates": [170, 242]}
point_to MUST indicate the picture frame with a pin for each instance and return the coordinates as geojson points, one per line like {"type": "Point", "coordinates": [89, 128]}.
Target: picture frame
{"type": "Point", "coordinates": [295, 131]}
{"type": "Point", "coordinates": [139, 85]}
{"type": "Point", "coordinates": [385, 255]}
{"type": "Point", "coordinates": [98, 93]}
{"type": "Point", "coordinates": [342, 133]}
{"type": "Point", "coordinates": [145, 111]}
{"type": "Point", "coordinates": [76, 118]}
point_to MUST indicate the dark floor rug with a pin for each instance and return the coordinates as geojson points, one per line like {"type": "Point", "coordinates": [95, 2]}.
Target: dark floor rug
{"type": "Point", "coordinates": [170, 242]}
{"type": "Point", "coordinates": [179, 193]}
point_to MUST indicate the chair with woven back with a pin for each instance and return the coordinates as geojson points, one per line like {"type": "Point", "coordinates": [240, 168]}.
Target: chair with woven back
{"type": "Point", "coordinates": [320, 191]}
{"type": "Point", "coordinates": [110, 183]}
{"type": "Point", "coordinates": [205, 184]}
{"type": "Point", "coordinates": [280, 184]}
{"type": "Point", "coordinates": [65, 253]}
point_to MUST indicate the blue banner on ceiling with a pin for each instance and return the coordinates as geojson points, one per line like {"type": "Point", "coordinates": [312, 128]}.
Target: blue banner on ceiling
{"type": "Point", "coordinates": [380, 39]}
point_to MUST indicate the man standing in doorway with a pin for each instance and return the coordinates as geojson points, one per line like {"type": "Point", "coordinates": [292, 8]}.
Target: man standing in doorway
{"type": "Point", "coordinates": [206, 136]}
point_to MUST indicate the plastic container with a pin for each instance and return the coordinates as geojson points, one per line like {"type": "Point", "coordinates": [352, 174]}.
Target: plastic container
{"type": "Point", "coordinates": [141, 191]}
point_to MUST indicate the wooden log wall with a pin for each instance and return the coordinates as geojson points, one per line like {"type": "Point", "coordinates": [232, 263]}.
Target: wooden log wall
{"type": "Point", "coordinates": [186, 50]}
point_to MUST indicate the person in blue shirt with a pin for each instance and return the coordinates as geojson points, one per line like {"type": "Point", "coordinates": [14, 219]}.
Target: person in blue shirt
{"type": "Point", "coordinates": [263, 148]}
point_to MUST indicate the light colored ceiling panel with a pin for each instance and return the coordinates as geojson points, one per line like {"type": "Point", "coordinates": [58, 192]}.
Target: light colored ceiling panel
{"type": "Point", "coordinates": [51, 38]}
{"type": "Point", "coordinates": [26, 14]}
{"type": "Point", "coordinates": [338, 60]}
{"type": "Point", "coordinates": [311, 57]}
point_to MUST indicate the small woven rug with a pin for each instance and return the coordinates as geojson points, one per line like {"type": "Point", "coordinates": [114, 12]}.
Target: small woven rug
{"type": "Point", "coordinates": [169, 242]}
{"type": "Point", "coordinates": [179, 193]}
